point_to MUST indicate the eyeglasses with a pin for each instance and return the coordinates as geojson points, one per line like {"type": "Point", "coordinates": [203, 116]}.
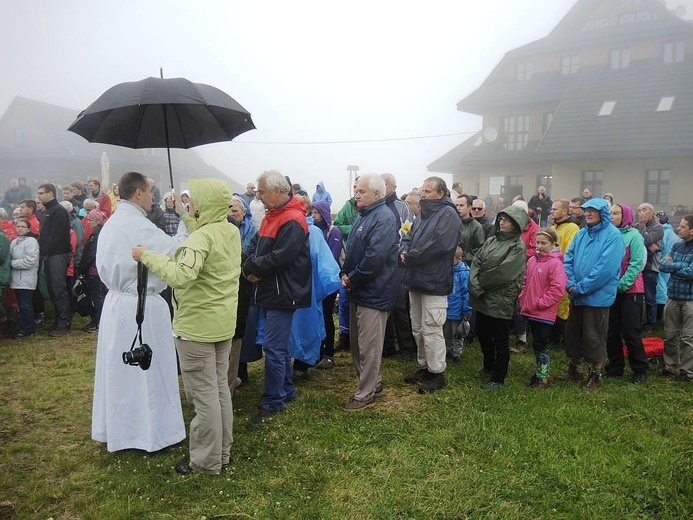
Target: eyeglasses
{"type": "Point", "coordinates": [477, 209]}
{"type": "Point", "coordinates": [503, 219]}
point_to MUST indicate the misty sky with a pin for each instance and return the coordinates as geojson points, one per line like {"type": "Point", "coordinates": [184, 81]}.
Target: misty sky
{"type": "Point", "coordinates": [306, 70]}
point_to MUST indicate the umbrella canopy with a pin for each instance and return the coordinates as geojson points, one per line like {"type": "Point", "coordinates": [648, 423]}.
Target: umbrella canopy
{"type": "Point", "coordinates": [162, 113]}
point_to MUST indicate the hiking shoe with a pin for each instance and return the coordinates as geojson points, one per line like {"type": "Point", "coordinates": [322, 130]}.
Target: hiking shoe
{"type": "Point", "coordinates": [685, 378]}
{"type": "Point", "coordinates": [593, 381]}
{"type": "Point", "coordinates": [421, 374]}
{"type": "Point", "coordinates": [379, 390]}
{"type": "Point", "coordinates": [492, 385]}
{"type": "Point", "coordinates": [92, 327]}
{"type": "Point", "coordinates": [538, 382]}
{"type": "Point", "coordinates": [325, 363]}
{"type": "Point", "coordinates": [353, 405]}
{"type": "Point", "coordinates": [433, 383]}
{"type": "Point", "coordinates": [484, 374]}
{"type": "Point", "coordinates": [23, 334]}
{"type": "Point", "coordinates": [520, 347]}
{"type": "Point", "coordinates": [59, 331]}
{"type": "Point", "coordinates": [639, 377]}
{"type": "Point", "coordinates": [667, 373]}
{"type": "Point", "coordinates": [574, 373]}
{"type": "Point", "coordinates": [184, 468]}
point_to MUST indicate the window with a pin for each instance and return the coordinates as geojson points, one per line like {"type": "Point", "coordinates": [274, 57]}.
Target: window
{"type": "Point", "coordinates": [524, 71]}
{"type": "Point", "coordinates": [516, 130]}
{"type": "Point", "coordinates": [607, 108]}
{"type": "Point", "coordinates": [548, 117]}
{"type": "Point", "coordinates": [19, 137]}
{"type": "Point", "coordinates": [657, 186]}
{"type": "Point", "coordinates": [594, 180]}
{"type": "Point", "coordinates": [665, 104]}
{"type": "Point", "coordinates": [570, 64]}
{"type": "Point", "coordinates": [513, 187]}
{"type": "Point", "coordinates": [597, 23]}
{"type": "Point", "coordinates": [544, 180]}
{"type": "Point", "coordinates": [637, 17]}
{"type": "Point", "coordinates": [673, 51]}
{"type": "Point", "coordinates": [620, 58]}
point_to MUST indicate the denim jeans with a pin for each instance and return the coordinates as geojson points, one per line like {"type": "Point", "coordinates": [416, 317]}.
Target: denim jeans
{"type": "Point", "coordinates": [26, 309]}
{"type": "Point", "coordinates": [343, 311]}
{"type": "Point", "coordinates": [279, 377]}
{"type": "Point", "coordinates": [650, 278]}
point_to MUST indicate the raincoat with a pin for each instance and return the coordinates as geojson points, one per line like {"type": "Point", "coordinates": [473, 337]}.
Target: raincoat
{"type": "Point", "coordinates": [634, 260]}
{"type": "Point", "coordinates": [593, 260]}
{"type": "Point", "coordinates": [498, 269]}
{"type": "Point", "coordinates": [205, 269]}
{"type": "Point", "coordinates": [544, 286]}
{"type": "Point", "coordinates": [321, 194]}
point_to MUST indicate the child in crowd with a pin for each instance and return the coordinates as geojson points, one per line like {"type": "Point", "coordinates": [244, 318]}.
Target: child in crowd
{"type": "Point", "coordinates": [545, 282]}
{"type": "Point", "coordinates": [456, 326]}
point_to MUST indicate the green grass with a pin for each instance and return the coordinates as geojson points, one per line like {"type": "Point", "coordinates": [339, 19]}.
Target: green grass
{"type": "Point", "coordinates": [622, 452]}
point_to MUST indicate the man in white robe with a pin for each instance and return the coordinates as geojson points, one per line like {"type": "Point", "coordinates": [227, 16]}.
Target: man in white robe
{"type": "Point", "coordinates": [135, 408]}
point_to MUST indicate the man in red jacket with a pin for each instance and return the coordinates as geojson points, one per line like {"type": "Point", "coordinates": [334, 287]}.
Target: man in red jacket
{"type": "Point", "coordinates": [99, 196]}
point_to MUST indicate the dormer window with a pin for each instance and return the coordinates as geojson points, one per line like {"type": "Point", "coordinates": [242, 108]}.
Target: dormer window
{"type": "Point", "coordinates": [665, 104]}
{"type": "Point", "coordinates": [524, 71]}
{"type": "Point", "coordinates": [597, 23]}
{"type": "Point", "coordinates": [637, 17]}
{"type": "Point", "coordinates": [607, 108]}
{"type": "Point", "coordinates": [570, 64]}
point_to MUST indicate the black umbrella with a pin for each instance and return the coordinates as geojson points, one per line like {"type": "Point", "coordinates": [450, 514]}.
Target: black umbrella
{"type": "Point", "coordinates": [162, 113]}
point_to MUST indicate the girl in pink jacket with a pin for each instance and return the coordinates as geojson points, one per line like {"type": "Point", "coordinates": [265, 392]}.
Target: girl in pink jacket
{"type": "Point", "coordinates": [545, 282]}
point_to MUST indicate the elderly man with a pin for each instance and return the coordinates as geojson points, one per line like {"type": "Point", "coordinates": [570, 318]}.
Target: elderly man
{"type": "Point", "coordinates": [428, 252]}
{"type": "Point", "coordinates": [593, 268]}
{"type": "Point", "coordinates": [414, 199]}
{"type": "Point", "coordinates": [56, 251]}
{"type": "Point", "coordinates": [587, 194]}
{"type": "Point", "coordinates": [281, 268]}
{"type": "Point", "coordinates": [398, 324]}
{"type": "Point", "coordinates": [249, 194]}
{"type": "Point", "coordinates": [135, 409]}
{"type": "Point", "coordinates": [13, 195]}
{"type": "Point", "coordinates": [540, 204]}
{"type": "Point", "coordinates": [369, 274]}
{"type": "Point", "coordinates": [678, 312]}
{"type": "Point", "coordinates": [479, 214]}
{"type": "Point", "coordinates": [472, 235]}
{"type": "Point", "coordinates": [653, 233]}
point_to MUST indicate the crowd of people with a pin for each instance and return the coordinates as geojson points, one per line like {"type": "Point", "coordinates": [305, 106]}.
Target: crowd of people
{"type": "Point", "coordinates": [228, 277]}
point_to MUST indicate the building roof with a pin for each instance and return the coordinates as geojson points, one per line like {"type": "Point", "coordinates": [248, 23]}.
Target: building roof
{"type": "Point", "coordinates": [452, 160]}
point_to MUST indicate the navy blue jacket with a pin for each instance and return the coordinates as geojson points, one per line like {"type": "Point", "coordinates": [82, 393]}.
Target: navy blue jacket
{"type": "Point", "coordinates": [430, 248]}
{"type": "Point", "coordinates": [371, 257]}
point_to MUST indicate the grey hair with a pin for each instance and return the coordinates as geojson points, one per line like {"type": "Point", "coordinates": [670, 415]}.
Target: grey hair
{"type": "Point", "coordinates": [67, 205]}
{"type": "Point", "coordinates": [90, 202]}
{"type": "Point", "coordinates": [274, 180]}
{"type": "Point", "coordinates": [3, 213]}
{"type": "Point", "coordinates": [374, 182]}
{"type": "Point", "coordinates": [482, 203]}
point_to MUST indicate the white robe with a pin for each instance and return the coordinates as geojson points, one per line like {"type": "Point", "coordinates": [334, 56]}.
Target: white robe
{"type": "Point", "coordinates": [134, 408]}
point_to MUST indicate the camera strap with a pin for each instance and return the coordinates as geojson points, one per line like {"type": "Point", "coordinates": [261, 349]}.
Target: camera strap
{"type": "Point", "coordinates": [142, 275]}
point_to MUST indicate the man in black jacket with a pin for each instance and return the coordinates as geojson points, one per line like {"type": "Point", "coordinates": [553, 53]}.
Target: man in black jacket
{"type": "Point", "coordinates": [55, 250]}
{"type": "Point", "coordinates": [280, 268]}
{"type": "Point", "coordinates": [428, 252]}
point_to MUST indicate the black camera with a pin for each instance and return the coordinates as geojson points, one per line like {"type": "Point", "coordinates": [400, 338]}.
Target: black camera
{"type": "Point", "coordinates": [140, 356]}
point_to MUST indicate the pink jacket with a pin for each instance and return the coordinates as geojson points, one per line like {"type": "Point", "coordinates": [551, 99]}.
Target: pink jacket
{"type": "Point", "coordinates": [545, 282]}
{"type": "Point", "coordinates": [529, 237]}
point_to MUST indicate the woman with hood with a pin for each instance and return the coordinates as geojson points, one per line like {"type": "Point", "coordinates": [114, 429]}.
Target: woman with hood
{"type": "Point", "coordinates": [543, 289]}
{"type": "Point", "coordinates": [204, 275]}
{"type": "Point", "coordinates": [670, 238]}
{"type": "Point", "coordinates": [495, 282]}
{"type": "Point", "coordinates": [626, 312]}
{"type": "Point", "coordinates": [333, 236]}
{"type": "Point", "coordinates": [321, 194]}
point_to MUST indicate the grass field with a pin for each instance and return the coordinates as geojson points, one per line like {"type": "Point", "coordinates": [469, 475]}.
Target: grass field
{"type": "Point", "coordinates": [625, 451]}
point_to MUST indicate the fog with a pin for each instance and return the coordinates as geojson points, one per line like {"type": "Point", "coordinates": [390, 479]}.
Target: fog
{"type": "Point", "coordinates": [360, 76]}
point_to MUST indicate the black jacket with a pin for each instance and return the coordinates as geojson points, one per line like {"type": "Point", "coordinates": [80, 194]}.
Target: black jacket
{"type": "Point", "coordinates": [430, 248]}
{"type": "Point", "coordinates": [54, 236]}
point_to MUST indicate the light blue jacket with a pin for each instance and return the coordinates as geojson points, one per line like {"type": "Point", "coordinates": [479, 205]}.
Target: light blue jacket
{"type": "Point", "coordinates": [593, 260]}
{"type": "Point", "coordinates": [670, 238]}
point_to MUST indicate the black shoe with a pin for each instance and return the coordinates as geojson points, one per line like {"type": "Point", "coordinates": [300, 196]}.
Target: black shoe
{"type": "Point", "coordinates": [22, 334]}
{"type": "Point", "coordinates": [433, 383]}
{"type": "Point", "coordinates": [484, 375]}
{"type": "Point", "coordinates": [421, 374]}
{"type": "Point", "coordinates": [184, 468]}
{"type": "Point", "coordinates": [639, 377]}
{"type": "Point", "coordinates": [264, 415]}
{"type": "Point", "coordinates": [613, 375]}
{"type": "Point", "coordinates": [405, 355]}
{"type": "Point", "coordinates": [92, 327]}
{"type": "Point", "coordinates": [59, 331]}
{"type": "Point", "coordinates": [667, 373]}
{"type": "Point", "coordinates": [593, 381]}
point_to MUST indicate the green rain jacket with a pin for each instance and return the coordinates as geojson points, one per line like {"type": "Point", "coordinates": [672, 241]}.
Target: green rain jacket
{"type": "Point", "coordinates": [205, 269]}
{"type": "Point", "coordinates": [498, 269]}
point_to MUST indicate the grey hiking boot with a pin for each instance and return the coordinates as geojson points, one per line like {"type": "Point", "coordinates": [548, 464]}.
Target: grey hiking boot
{"type": "Point", "coordinates": [433, 383]}
{"type": "Point", "coordinates": [593, 381]}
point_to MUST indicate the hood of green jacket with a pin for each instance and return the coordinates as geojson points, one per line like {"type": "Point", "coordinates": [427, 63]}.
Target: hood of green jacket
{"type": "Point", "coordinates": [519, 216]}
{"type": "Point", "coordinates": [211, 198]}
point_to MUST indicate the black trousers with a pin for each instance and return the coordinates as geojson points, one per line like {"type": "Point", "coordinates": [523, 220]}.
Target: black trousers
{"type": "Point", "coordinates": [625, 317]}
{"type": "Point", "coordinates": [56, 279]}
{"type": "Point", "coordinates": [399, 321]}
{"type": "Point", "coordinates": [494, 334]}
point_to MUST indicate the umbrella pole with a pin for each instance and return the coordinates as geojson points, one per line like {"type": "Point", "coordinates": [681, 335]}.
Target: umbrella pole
{"type": "Point", "coordinates": [168, 148]}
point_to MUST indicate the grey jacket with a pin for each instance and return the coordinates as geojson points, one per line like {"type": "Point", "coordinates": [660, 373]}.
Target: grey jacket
{"type": "Point", "coordinates": [653, 233]}
{"type": "Point", "coordinates": [24, 253]}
